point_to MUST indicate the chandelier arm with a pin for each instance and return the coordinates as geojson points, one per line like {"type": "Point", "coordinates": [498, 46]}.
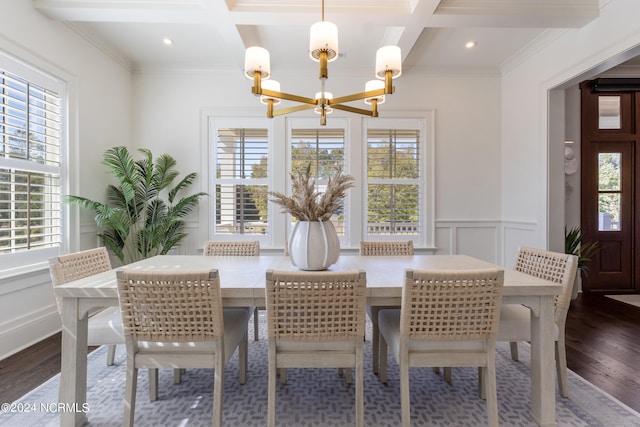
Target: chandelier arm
{"type": "Point", "coordinates": [292, 109]}
{"type": "Point", "coordinates": [356, 96]}
{"type": "Point", "coordinates": [354, 110]}
{"type": "Point", "coordinates": [288, 96]}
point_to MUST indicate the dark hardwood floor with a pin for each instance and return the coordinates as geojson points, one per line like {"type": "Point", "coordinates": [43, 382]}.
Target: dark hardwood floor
{"type": "Point", "coordinates": [603, 346]}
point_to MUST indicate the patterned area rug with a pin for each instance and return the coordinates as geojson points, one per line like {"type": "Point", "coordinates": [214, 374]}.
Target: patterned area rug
{"type": "Point", "coordinates": [319, 397]}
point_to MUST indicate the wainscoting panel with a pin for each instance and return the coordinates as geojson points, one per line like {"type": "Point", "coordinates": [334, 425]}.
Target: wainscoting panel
{"type": "Point", "coordinates": [479, 239]}
{"type": "Point", "coordinates": [516, 234]}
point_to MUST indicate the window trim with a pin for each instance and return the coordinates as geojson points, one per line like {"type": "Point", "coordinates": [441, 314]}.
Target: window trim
{"type": "Point", "coordinates": [25, 261]}
{"type": "Point", "coordinates": [216, 123]}
{"type": "Point", "coordinates": [425, 238]}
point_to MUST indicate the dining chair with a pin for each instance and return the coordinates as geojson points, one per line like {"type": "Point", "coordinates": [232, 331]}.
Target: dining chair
{"type": "Point", "coordinates": [176, 320]}
{"type": "Point", "coordinates": [239, 248]}
{"type": "Point", "coordinates": [104, 325]}
{"type": "Point", "coordinates": [383, 248]}
{"type": "Point", "coordinates": [515, 319]}
{"type": "Point", "coordinates": [315, 319]}
{"type": "Point", "coordinates": [446, 318]}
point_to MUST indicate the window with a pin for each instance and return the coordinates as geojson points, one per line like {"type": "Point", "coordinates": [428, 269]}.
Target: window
{"type": "Point", "coordinates": [241, 159]}
{"type": "Point", "coordinates": [30, 160]}
{"type": "Point", "coordinates": [390, 158]}
{"type": "Point", "coordinates": [395, 192]}
{"type": "Point", "coordinates": [322, 149]}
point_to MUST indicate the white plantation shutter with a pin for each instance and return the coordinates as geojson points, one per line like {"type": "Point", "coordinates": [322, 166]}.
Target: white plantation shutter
{"type": "Point", "coordinates": [241, 182]}
{"type": "Point", "coordinates": [324, 149]}
{"type": "Point", "coordinates": [394, 196]}
{"type": "Point", "coordinates": [30, 162]}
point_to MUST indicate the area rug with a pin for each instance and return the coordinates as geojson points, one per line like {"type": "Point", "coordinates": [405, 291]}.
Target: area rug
{"type": "Point", "coordinates": [627, 299]}
{"type": "Point", "coordinates": [318, 397]}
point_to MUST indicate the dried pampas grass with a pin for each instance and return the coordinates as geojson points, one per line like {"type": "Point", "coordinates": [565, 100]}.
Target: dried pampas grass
{"type": "Point", "coordinates": [307, 204]}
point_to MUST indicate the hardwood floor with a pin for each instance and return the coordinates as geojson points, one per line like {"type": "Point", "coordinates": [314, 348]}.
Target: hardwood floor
{"type": "Point", "coordinates": [603, 346]}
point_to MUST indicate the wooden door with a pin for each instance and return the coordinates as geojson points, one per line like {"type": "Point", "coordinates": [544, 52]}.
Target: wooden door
{"type": "Point", "coordinates": [609, 184]}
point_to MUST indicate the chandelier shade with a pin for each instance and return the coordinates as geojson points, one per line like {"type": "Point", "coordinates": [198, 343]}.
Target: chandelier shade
{"type": "Point", "coordinates": [323, 37]}
{"type": "Point", "coordinates": [374, 85]}
{"type": "Point", "coordinates": [273, 85]}
{"type": "Point", "coordinates": [257, 59]}
{"type": "Point", "coordinates": [323, 48]}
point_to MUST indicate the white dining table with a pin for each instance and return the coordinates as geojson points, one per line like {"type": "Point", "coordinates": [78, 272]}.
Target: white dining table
{"type": "Point", "coordinates": [242, 281]}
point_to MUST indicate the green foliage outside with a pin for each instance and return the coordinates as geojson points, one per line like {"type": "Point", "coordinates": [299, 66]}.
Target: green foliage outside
{"type": "Point", "coordinates": [399, 164]}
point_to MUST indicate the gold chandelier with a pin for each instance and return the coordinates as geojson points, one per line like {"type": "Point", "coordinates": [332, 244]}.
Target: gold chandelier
{"type": "Point", "coordinates": [323, 48]}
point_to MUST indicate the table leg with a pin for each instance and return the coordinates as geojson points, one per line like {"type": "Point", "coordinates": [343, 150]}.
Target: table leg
{"type": "Point", "coordinates": [543, 389]}
{"type": "Point", "coordinates": [73, 370]}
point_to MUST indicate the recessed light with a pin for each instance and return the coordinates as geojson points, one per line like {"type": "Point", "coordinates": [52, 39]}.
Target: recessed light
{"type": "Point", "coordinates": [167, 41]}
{"type": "Point", "coordinates": [471, 44]}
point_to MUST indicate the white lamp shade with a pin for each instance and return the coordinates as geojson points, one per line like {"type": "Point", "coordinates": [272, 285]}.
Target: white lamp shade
{"type": "Point", "coordinates": [373, 85]}
{"type": "Point", "coordinates": [323, 36]}
{"type": "Point", "coordinates": [273, 85]}
{"type": "Point", "coordinates": [388, 58]}
{"type": "Point", "coordinates": [327, 109]}
{"type": "Point", "coordinates": [257, 59]}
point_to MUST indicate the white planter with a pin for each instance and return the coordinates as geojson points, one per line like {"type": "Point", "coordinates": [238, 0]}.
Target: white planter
{"type": "Point", "coordinates": [313, 245]}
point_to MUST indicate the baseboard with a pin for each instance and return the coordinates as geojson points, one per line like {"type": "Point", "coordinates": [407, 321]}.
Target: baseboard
{"type": "Point", "coordinates": [27, 331]}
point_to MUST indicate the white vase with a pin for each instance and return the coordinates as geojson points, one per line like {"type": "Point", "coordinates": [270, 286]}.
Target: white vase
{"type": "Point", "coordinates": [313, 245]}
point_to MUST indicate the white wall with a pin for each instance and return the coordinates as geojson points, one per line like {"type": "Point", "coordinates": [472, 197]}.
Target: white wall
{"type": "Point", "coordinates": [99, 117]}
{"type": "Point", "coordinates": [168, 106]}
{"type": "Point", "coordinates": [562, 59]}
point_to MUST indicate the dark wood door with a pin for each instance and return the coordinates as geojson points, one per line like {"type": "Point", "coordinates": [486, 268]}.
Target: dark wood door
{"type": "Point", "coordinates": [609, 183]}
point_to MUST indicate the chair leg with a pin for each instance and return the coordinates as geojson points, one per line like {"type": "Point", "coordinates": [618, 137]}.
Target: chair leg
{"type": "Point", "coordinates": [375, 340]}
{"type": "Point", "coordinates": [242, 357]}
{"type": "Point", "coordinates": [481, 383]}
{"type": "Point", "coordinates": [177, 375]}
{"type": "Point", "coordinates": [514, 350]}
{"type": "Point", "coordinates": [111, 354]}
{"type": "Point", "coordinates": [359, 388]}
{"type": "Point", "coordinates": [561, 366]}
{"type": "Point", "coordinates": [271, 393]}
{"type": "Point", "coordinates": [405, 400]}
{"type": "Point", "coordinates": [383, 359]}
{"type": "Point", "coordinates": [153, 385]}
{"type": "Point", "coordinates": [350, 375]}
{"type": "Point", "coordinates": [255, 324]}
{"type": "Point", "coordinates": [130, 394]}
{"type": "Point", "coordinates": [218, 389]}
{"type": "Point", "coordinates": [491, 390]}
{"type": "Point", "coordinates": [447, 374]}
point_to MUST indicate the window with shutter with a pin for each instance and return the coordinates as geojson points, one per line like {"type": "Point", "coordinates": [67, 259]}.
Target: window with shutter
{"type": "Point", "coordinates": [394, 193]}
{"type": "Point", "coordinates": [241, 184]}
{"type": "Point", "coordinates": [30, 163]}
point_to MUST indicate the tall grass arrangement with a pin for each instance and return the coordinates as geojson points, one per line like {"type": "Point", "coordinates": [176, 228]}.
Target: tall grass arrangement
{"type": "Point", "coordinates": [308, 204]}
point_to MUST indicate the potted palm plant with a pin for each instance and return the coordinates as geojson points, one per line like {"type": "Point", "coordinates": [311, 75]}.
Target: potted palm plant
{"type": "Point", "coordinates": [573, 245]}
{"type": "Point", "coordinates": [313, 243]}
{"type": "Point", "coordinates": [136, 222]}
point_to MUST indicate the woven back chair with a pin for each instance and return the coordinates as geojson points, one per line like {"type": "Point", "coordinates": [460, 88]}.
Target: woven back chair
{"type": "Point", "coordinates": [515, 319]}
{"type": "Point", "coordinates": [447, 318]}
{"type": "Point", "coordinates": [104, 326]}
{"type": "Point", "coordinates": [175, 319]}
{"type": "Point", "coordinates": [241, 248]}
{"type": "Point", "coordinates": [315, 319]}
{"type": "Point", "coordinates": [373, 248]}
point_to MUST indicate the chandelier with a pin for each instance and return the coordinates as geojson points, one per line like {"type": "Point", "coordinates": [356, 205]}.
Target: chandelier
{"type": "Point", "coordinates": [323, 48]}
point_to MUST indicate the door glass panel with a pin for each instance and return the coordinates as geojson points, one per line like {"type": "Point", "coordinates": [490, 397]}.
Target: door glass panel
{"type": "Point", "coordinates": [609, 191]}
{"type": "Point", "coordinates": [609, 112]}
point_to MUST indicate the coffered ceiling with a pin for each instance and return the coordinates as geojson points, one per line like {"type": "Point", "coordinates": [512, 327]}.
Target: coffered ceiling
{"type": "Point", "coordinates": [214, 33]}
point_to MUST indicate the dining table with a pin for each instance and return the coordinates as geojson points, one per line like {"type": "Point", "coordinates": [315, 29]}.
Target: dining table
{"type": "Point", "coordinates": [242, 281]}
